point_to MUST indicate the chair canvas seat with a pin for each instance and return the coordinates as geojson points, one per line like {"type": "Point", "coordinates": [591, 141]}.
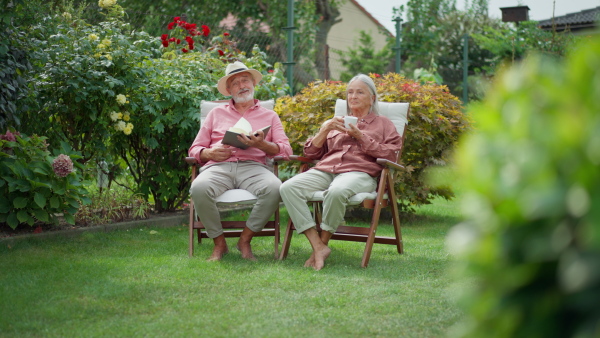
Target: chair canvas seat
{"type": "Point", "coordinates": [236, 196]}
{"type": "Point", "coordinates": [354, 200]}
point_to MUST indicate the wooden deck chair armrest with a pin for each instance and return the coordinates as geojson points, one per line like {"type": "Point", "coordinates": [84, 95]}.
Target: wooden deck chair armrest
{"type": "Point", "coordinates": [191, 161]}
{"type": "Point", "coordinates": [390, 164]}
{"type": "Point", "coordinates": [303, 159]}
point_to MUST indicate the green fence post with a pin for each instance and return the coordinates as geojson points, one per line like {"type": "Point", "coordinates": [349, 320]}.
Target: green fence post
{"type": "Point", "coordinates": [290, 46]}
{"type": "Point", "coordinates": [465, 69]}
{"type": "Point", "coordinates": [398, 20]}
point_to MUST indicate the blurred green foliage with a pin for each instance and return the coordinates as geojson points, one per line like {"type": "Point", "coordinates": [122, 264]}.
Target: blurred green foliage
{"type": "Point", "coordinates": [435, 123]}
{"type": "Point", "coordinates": [531, 177]}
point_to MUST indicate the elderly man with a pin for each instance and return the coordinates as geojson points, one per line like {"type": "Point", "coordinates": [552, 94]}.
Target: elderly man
{"type": "Point", "coordinates": [226, 167]}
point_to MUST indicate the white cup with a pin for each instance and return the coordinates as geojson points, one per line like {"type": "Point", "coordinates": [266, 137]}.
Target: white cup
{"type": "Point", "coordinates": [350, 119]}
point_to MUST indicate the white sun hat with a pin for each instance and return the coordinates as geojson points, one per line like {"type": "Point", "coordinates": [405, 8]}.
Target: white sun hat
{"type": "Point", "coordinates": [233, 69]}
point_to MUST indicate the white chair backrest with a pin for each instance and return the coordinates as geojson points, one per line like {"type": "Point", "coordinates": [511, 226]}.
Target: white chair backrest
{"type": "Point", "coordinates": [395, 111]}
{"type": "Point", "coordinates": [207, 106]}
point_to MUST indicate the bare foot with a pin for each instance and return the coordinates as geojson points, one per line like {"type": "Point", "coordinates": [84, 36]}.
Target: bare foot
{"type": "Point", "coordinates": [310, 262]}
{"type": "Point", "coordinates": [218, 253]}
{"type": "Point", "coordinates": [320, 257]}
{"type": "Point", "coordinates": [246, 250]}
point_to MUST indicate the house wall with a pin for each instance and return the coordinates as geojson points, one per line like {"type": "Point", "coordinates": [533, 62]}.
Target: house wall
{"type": "Point", "coordinates": [345, 34]}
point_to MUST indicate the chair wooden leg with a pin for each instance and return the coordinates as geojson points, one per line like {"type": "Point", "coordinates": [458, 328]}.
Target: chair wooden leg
{"type": "Point", "coordinates": [396, 223]}
{"type": "Point", "coordinates": [287, 239]}
{"type": "Point", "coordinates": [371, 237]}
{"type": "Point", "coordinates": [191, 230]}
{"type": "Point", "coordinates": [277, 230]}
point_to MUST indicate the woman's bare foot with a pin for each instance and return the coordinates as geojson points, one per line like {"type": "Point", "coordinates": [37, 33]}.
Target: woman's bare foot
{"type": "Point", "coordinates": [310, 262]}
{"type": "Point", "coordinates": [320, 257]}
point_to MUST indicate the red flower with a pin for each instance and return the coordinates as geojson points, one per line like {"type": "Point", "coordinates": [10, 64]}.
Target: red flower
{"type": "Point", "coordinates": [221, 53]}
{"type": "Point", "coordinates": [225, 34]}
{"type": "Point", "coordinates": [178, 41]}
{"type": "Point", "coordinates": [170, 25]}
{"type": "Point", "coordinates": [172, 40]}
{"type": "Point", "coordinates": [205, 30]}
{"type": "Point", "coordinates": [184, 50]}
{"type": "Point", "coordinates": [165, 43]}
{"type": "Point", "coordinates": [270, 70]}
{"type": "Point", "coordinates": [164, 37]}
{"type": "Point", "coordinates": [175, 19]}
{"type": "Point", "coordinates": [377, 75]}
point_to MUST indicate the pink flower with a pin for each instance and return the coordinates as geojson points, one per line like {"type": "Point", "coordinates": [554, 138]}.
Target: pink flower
{"type": "Point", "coordinates": [9, 136]}
{"type": "Point", "coordinates": [62, 165]}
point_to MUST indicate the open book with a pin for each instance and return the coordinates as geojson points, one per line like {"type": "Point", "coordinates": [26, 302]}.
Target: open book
{"type": "Point", "coordinates": [241, 127]}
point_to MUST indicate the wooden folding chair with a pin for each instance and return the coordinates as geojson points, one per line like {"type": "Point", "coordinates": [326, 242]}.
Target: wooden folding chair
{"type": "Point", "coordinates": [384, 196]}
{"type": "Point", "coordinates": [230, 197]}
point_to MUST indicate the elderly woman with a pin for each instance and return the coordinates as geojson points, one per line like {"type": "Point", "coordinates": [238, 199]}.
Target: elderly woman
{"type": "Point", "coordinates": [347, 166]}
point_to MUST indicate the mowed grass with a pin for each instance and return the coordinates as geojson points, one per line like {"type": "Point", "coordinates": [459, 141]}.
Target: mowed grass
{"type": "Point", "coordinates": [142, 283]}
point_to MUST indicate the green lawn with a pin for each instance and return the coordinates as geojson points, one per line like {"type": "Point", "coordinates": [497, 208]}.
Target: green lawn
{"type": "Point", "coordinates": [141, 282]}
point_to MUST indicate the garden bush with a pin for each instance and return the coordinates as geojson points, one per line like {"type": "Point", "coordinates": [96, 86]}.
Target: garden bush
{"type": "Point", "coordinates": [133, 99]}
{"type": "Point", "coordinates": [436, 121]}
{"type": "Point", "coordinates": [530, 244]}
{"type": "Point", "coordinates": [35, 186]}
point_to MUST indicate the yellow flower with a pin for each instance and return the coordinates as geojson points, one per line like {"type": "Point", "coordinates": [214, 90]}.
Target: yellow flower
{"type": "Point", "coordinates": [121, 125]}
{"type": "Point", "coordinates": [101, 46]}
{"type": "Point", "coordinates": [108, 57]}
{"type": "Point", "coordinates": [106, 42]}
{"type": "Point", "coordinates": [126, 116]}
{"type": "Point", "coordinates": [106, 3]}
{"type": "Point", "coordinates": [114, 115]}
{"type": "Point", "coordinates": [66, 15]}
{"type": "Point", "coordinates": [127, 130]}
{"type": "Point", "coordinates": [120, 115]}
{"type": "Point", "coordinates": [121, 99]}
{"type": "Point", "coordinates": [97, 55]}
{"type": "Point", "coordinates": [93, 37]}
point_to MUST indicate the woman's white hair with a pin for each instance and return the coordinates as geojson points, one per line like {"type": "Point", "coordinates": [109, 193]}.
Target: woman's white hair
{"type": "Point", "coordinates": [371, 85]}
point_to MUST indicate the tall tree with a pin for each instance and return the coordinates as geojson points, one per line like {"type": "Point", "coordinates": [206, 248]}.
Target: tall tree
{"type": "Point", "coordinates": [328, 14]}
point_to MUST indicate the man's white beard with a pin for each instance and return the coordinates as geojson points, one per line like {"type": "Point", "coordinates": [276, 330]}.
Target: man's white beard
{"type": "Point", "coordinates": [245, 97]}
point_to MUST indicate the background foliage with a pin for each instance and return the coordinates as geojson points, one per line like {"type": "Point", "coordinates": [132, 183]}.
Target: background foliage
{"type": "Point", "coordinates": [114, 93]}
{"type": "Point", "coordinates": [435, 123]}
{"type": "Point", "coordinates": [530, 172]}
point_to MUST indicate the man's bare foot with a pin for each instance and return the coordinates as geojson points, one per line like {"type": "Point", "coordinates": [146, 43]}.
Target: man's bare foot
{"type": "Point", "coordinates": [218, 253]}
{"type": "Point", "coordinates": [320, 257]}
{"type": "Point", "coordinates": [246, 250]}
{"type": "Point", "coordinates": [310, 262]}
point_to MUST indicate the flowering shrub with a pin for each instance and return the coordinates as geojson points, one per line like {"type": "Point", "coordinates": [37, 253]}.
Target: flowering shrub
{"type": "Point", "coordinates": [180, 31]}
{"type": "Point", "coordinates": [109, 92]}
{"type": "Point", "coordinates": [62, 165]}
{"type": "Point", "coordinates": [85, 76]}
{"type": "Point", "coordinates": [34, 186]}
{"type": "Point", "coordinates": [435, 124]}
